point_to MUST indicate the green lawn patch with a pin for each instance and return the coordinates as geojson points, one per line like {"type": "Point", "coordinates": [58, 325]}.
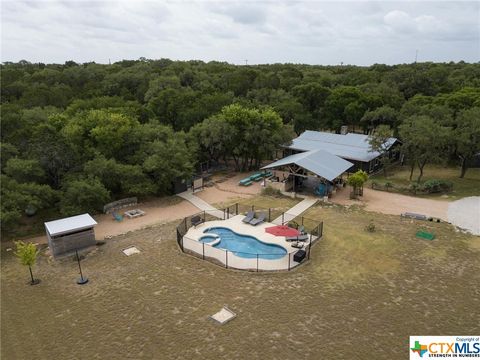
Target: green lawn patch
{"type": "Point", "coordinates": [398, 177]}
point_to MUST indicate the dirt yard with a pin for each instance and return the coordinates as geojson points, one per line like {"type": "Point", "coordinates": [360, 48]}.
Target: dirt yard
{"type": "Point", "coordinates": [362, 294]}
{"type": "Point", "coordinates": [392, 203]}
{"type": "Point", "coordinates": [168, 209]}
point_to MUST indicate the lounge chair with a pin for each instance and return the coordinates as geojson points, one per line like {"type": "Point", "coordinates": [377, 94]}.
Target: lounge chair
{"type": "Point", "coordinates": [117, 216]}
{"type": "Point", "coordinates": [258, 220]}
{"type": "Point", "coordinates": [302, 237]}
{"type": "Point", "coordinates": [249, 217]}
{"type": "Point", "coordinates": [196, 220]}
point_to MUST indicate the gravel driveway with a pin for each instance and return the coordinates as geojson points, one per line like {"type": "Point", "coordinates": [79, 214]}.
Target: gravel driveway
{"type": "Point", "coordinates": [465, 213]}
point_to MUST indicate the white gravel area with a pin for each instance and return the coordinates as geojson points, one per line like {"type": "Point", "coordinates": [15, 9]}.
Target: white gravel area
{"type": "Point", "coordinates": [465, 213]}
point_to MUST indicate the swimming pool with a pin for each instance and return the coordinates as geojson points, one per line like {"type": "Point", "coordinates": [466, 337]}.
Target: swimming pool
{"type": "Point", "coordinates": [242, 245]}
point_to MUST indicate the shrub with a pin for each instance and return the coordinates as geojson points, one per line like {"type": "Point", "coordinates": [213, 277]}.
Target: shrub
{"type": "Point", "coordinates": [437, 186]}
{"type": "Point", "coordinates": [271, 191]}
{"type": "Point", "coordinates": [370, 227]}
{"type": "Point", "coordinates": [388, 185]}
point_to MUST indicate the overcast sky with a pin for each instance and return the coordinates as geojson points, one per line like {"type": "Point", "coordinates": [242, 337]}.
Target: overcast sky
{"type": "Point", "coordinates": [313, 32]}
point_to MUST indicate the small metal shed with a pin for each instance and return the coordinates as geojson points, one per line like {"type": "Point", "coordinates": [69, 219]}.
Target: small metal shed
{"type": "Point", "coordinates": [70, 234]}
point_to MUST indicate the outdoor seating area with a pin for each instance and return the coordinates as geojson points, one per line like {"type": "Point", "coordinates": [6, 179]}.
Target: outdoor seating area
{"type": "Point", "coordinates": [252, 218]}
{"type": "Point", "coordinates": [255, 177]}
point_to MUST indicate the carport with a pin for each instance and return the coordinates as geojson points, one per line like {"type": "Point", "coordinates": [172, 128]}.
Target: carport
{"type": "Point", "coordinates": [315, 170]}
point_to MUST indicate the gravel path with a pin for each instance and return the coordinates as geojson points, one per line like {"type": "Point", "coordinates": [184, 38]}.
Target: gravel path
{"type": "Point", "coordinates": [465, 213]}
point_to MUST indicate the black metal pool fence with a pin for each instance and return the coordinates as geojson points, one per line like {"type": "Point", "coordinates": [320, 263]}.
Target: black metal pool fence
{"type": "Point", "coordinates": [312, 227]}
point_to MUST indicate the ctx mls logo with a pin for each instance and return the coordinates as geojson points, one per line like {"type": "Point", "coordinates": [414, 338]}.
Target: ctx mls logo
{"type": "Point", "coordinates": [419, 348]}
{"type": "Point", "coordinates": [423, 347]}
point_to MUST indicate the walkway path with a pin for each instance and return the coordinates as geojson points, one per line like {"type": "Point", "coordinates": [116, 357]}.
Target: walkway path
{"type": "Point", "coordinates": [295, 211]}
{"type": "Point", "coordinates": [201, 204]}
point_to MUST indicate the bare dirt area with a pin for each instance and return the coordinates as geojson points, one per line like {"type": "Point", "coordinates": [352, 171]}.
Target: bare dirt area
{"type": "Point", "coordinates": [227, 188]}
{"type": "Point", "coordinates": [164, 210]}
{"type": "Point", "coordinates": [392, 203]}
{"type": "Point", "coordinates": [361, 294]}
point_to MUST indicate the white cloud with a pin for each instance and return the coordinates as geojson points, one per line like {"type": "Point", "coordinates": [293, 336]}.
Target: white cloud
{"type": "Point", "coordinates": [264, 32]}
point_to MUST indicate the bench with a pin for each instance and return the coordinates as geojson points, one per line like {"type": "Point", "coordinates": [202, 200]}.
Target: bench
{"type": "Point", "coordinates": [245, 182]}
{"type": "Point", "coordinates": [414, 216]}
{"type": "Point", "coordinates": [256, 177]}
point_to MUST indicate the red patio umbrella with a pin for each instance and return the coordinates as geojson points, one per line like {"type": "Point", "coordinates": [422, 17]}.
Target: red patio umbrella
{"type": "Point", "coordinates": [282, 230]}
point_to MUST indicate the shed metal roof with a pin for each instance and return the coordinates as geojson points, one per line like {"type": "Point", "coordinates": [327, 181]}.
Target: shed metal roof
{"type": "Point", "coordinates": [70, 224]}
{"type": "Point", "coordinates": [319, 162]}
{"type": "Point", "coordinates": [350, 146]}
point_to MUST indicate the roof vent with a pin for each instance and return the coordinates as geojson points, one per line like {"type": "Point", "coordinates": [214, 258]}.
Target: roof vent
{"type": "Point", "coordinates": [344, 130]}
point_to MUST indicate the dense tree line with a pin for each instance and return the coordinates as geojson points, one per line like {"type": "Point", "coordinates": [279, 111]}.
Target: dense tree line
{"type": "Point", "coordinates": [75, 136]}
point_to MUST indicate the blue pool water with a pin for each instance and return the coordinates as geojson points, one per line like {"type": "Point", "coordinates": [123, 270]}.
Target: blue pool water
{"type": "Point", "coordinates": [243, 245]}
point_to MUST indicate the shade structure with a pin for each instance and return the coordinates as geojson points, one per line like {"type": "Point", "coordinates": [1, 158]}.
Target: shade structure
{"type": "Point", "coordinates": [282, 230]}
{"type": "Point", "coordinates": [319, 162]}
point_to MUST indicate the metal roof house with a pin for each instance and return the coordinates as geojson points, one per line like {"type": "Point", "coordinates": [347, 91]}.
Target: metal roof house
{"type": "Point", "coordinates": [70, 234]}
{"type": "Point", "coordinates": [319, 159]}
{"type": "Point", "coordinates": [352, 147]}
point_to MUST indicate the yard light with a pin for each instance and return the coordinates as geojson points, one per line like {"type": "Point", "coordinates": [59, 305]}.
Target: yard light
{"type": "Point", "coordinates": [82, 280]}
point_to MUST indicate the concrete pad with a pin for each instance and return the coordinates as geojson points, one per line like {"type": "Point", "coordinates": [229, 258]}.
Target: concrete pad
{"type": "Point", "coordinates": [223, 316]}
{"type": "Point", "coordinates": [131, 250]}
{"type": "Point", "coordinates": [465, 213]}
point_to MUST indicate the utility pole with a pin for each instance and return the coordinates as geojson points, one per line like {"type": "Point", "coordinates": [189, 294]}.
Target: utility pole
{"type": "Point", "coordinates": [416, 55]}
{"type": "Point", "coordinates": [246, 62]}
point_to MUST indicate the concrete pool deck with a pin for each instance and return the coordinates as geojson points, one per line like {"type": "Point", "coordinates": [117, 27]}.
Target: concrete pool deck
{"type": "Point", "coordinates": [191, 242]}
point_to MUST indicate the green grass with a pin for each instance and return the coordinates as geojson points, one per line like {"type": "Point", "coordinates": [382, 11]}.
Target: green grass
{"type": "Point", "coordinates": [357, 286]}
{"type": "Point", "coordinates": [468, 186]}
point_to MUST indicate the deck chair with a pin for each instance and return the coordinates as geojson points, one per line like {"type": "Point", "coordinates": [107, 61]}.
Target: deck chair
{"type": "Point", "coordinates": [117, 216]}
{"type": "Point", "coordinates": [303, 237]}
{"type": "Point", "coordinates": [196, 220]}
{"type": "Point", "coordinates": [249, 217]}
{"type": "Point", "coordinates": [258, 220]}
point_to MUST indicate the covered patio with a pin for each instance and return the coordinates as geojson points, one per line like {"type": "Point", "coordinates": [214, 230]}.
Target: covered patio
{"type": "Point", "coordinates": [316, 171]}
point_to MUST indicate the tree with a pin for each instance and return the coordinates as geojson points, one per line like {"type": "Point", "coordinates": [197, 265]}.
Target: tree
{"type": "Point", "coordinates": [24, 170]}
{"type": "Point", "coordinates": [16, 198]}
{"type": "Point", "coordinates": [345, 105]}
{"type": "Point", "coordinates": [384, 115]}
{"type": "Point", "coordinates": [380, 142]}
{"type": "Point", "coordinates": [311, 95]}
{"type": "Point", "coordinates": [424, 140]}
{"type": "Point", "coordinates": [253, 134]}
{"type": "Point", "coordinates": [212, 137]}
{"type": "Point", "coordinates": [83, 195]}
{"type": "Point", "coordinates": [120, 179]}
{"type": "Point", "coordinates": [103, 131]}
{"type": "Point", "coordinates": [467, 137]}
{"type": "Point", "coordinates": [8, 151]}
{"type": "Point", "coordinates": [27, 254]}
{"type": "Point", "coordinates": [356, 181]}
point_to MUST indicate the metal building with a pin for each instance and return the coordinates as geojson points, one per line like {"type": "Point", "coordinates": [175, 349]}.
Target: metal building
{"type": "Point", "coordinates": [70, 234]}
